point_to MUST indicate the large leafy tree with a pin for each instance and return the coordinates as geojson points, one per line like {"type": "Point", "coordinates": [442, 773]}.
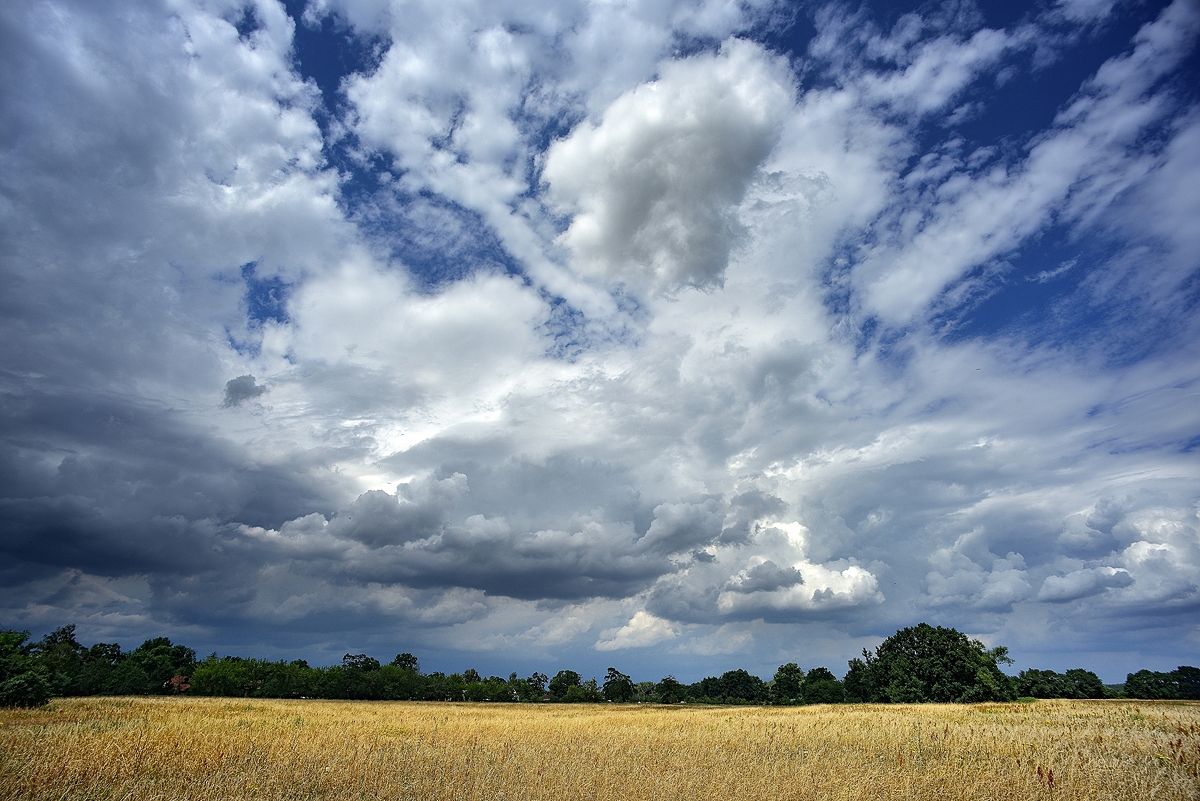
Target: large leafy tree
{"type": "Point", "coordinates": [23, 681]}
{"type": "Point", "coordinates": [407, 661]}
{"type": "Point", "coordinates": [617, 686]}
{"type": "Point", "coordinates": [562, 682]}
{"type": "Point", "coordinates": [1187, 679]}
{"type": "Point", "coordinates": [62, 658]}
{"type": "Point", "coordinates": [99, 669]}
{"type": "Point", "coordinates": [153, 664]}
{"type": "Point", "coordinates": [822, 687]}
{"type": "Point", "coordinates": [731, 686]}
{"type": "Point", "coordinates": [670, 690]}
{"type": "Point", "coordinates": [786, 687]}
{"type": "Point", "coordinates": [924, 663]}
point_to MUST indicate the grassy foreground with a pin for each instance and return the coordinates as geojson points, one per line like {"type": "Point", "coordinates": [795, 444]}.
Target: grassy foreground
{"type": "Point", "coordinates": [217, 748]}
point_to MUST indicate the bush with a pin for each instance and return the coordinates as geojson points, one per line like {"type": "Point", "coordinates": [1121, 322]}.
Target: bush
{"type": "Point", "coordinates": [26, 689]}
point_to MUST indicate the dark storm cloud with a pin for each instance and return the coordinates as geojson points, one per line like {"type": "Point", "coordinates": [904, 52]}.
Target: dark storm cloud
{"type": "Point", "coordinates": [767, 576]}
{"type": "Point", "coordinates": [117, 488]}
{"type": "Point", "coordinates": [241, 389]}
{"type": "Point", "coordinates": [747, 508]}
{"type": "Point", "coordinates": [420, 538]}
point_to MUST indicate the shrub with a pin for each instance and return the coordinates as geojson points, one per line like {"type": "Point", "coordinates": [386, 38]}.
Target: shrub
{"type": "Point", "coordinates": [26, 689]}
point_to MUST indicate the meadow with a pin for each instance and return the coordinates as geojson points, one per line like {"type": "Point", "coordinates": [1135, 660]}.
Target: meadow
{"type": "Point", "coordinates": [220, 748]}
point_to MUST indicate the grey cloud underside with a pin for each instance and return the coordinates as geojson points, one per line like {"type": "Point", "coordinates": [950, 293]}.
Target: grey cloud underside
{"type": "Point", "coordinates": [117, 488]}
{"type": "Point", "coordinates": [765, 428]}
{"type": "Point", "coordinates": [241, 389]}
{"type": "Point", "coordinates": [408, 538]}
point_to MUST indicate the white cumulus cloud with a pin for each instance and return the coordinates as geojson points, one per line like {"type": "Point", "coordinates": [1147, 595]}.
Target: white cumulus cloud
{"type": "Point", "coordinates": [653, 185]}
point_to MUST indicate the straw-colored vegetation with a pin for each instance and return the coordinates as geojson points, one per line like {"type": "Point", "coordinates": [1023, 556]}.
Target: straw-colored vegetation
{"type": "Point", "coordinates": [215, 748]}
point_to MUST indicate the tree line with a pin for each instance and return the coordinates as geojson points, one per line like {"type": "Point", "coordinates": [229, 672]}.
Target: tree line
{"type": "Point", "coordinates": [918, 664]}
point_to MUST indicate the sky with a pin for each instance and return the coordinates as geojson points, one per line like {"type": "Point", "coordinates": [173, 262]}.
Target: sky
{"type": "Point", "coordinates": [671, 336]}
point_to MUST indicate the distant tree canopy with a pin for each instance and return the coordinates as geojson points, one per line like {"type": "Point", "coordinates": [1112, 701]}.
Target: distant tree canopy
{"type": "Point", "coordinates": [670, 691]}
{"type": "Point", "coordinates": [923, 664]}
{"type": "Point", "coordinates": [792, 686]}
{"type": "Point", "coordinates": [407, 662]}
{"type": "Point", "coordinates": [1076, 683]}
{"type": "Point", "coordinates": [917, 664]}
{"type": "Point", "coordinates": [1181, 683]}
{"type": "Point", "coordinates": [731, 687]}
{"type": "Point", "coordinates": [59, 665]}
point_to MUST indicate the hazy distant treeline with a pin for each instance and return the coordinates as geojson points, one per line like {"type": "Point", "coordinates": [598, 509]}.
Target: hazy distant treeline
{"type": "Point", "coordinates": [918, 664]}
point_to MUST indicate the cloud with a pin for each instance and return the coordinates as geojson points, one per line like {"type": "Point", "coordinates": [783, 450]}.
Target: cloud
{"type": "Point", "coordinates": [767, 576]}
{"type": "Point", "coordinates": [241, 389]}
{"type": "Point", "coordinates": [502, 420]}
{"type": "Point", "coordinates": [642, 631]}
{"type": "Point", "coordinates": [1050, 275]}
{"type": "Point", "coordinates": [1082, 583]}
{"type": "Point", "coordinates": [959, 580]}
{"type": "Point", "coordinates": [654, 184]}
{"type": "Point", "coordinates": [970, 218]}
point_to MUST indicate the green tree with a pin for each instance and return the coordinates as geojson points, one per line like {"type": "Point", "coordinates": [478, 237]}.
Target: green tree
{"type": "Point", "coordinates": [23, 680]}
{"type": "Point", "coordinates": [644, 692]}
{"type": "Point", "coordinates": [537, 683]}
{"type": "Point", "coordinates": [858, 682]}
{"type": "Point", "coordinates": [1151, 685]}
{"type": "Point", "coordinates": [923, 664]}
{"type": "Point", "coordinates": [16, 654]}
{"type": "Point", "coordinates": [591, 691]}
{"type": "Point", "coordinates": [738, 685]}
{"type": "Point", "coordinates": [670, 690]}
{"type": "Point", "coordinates": [227, 677]}
{"type": "Point", "coordinates": [160, 661]}
{"type": "Point", "coordinates": [822, 687]}
{"type": "Point", "coordinates": [281, 679]}
{"type": "Point", "coordinates": [360, 662]}
{"type": "Point", "coordinates": [62, 660]}
{"type": "Point", "coordinates": [1187, 680]}
{"type": "Point", "coordinates": [786, 685]}
{"type": "Point", "coordinates": [563, 681]}
{"type": "Point", "coordinates": [1034, 683]}
{"type": "Point", "coordinates": [99, 664]}
{"type": "Point", "coordinates": [25, 689]}
{"type": "Point", "coordinates": [128, 678]}
{"type": "Point", "coordinates": [617, 686]}
{"type": "Point", "coordinates": [396, 683]}
{"type": "Point", "coordinates": [1083, 684]}
{"type": "Point", "coordinates": [407, 662]}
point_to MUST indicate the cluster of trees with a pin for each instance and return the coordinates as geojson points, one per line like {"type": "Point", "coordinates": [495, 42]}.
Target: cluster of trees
{"type": "Point", "coordinates": [58, 665]}
{"type": "Point", "coordinates": [919, 664]}
{"type": "Point", "coordinates": [1077, 683]}
{"type": "Point", "coordinates": [1181, 683]}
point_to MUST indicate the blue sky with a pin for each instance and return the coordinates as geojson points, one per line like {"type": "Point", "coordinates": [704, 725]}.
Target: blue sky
{"type": "Point", "coordinates": [675, 336]}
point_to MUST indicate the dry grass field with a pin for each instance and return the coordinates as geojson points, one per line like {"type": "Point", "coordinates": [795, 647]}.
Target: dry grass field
{"type": "Point", "coordinates": [217, 748]}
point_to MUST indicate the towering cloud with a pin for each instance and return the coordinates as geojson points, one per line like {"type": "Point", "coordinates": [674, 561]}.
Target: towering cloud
{"type": "Point", "coordinates": [653, 187]}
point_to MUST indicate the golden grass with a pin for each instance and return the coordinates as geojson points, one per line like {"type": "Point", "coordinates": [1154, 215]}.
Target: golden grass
{"type": "Point", "coordinates": [217, 748]}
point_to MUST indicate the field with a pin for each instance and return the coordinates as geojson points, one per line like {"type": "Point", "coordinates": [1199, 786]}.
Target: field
{"type": "Point", "coordinates": [217, 748]}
